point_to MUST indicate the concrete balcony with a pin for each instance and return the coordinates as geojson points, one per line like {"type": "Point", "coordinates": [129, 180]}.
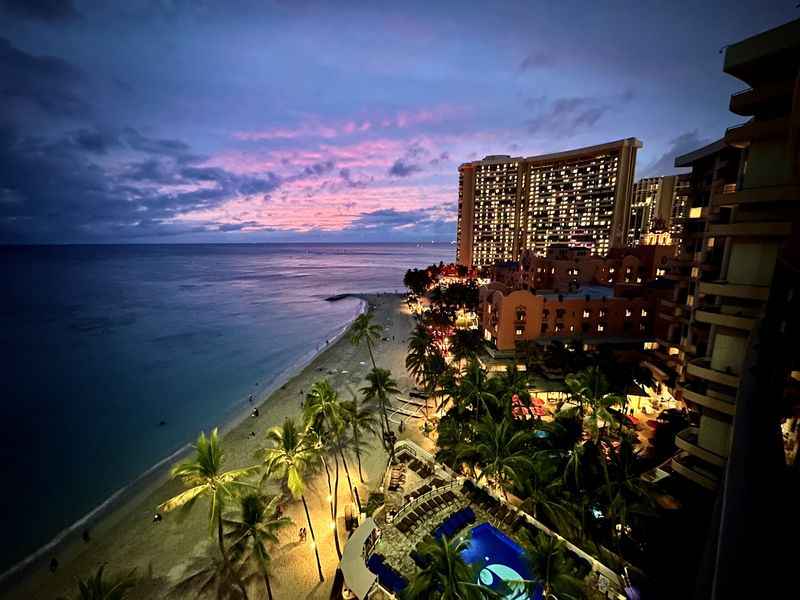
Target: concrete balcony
{"type": "Point", "coordinates": [779, 229]}
{"type": "Point", "coordinates": [727, 407]}
{"type": "Point", "coordinates": [741, 135]}
{"type": "Point", "coordinates": [701, 368]}
{"type": "Point", "coordinates": [761, 195]}
{"type": "Point", "coordinates": [734, 290]}
{"type": "Point", "coordinates": [747, 102]}
{"type": "Point", "coordinates": [689, 467]}
{"type": "Point", "coordinates": [687, 440]}
{"type": "Point", "coordinates": [713, 316]}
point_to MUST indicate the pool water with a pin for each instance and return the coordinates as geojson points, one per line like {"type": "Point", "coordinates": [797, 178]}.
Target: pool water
{"type": "Point", "coordinates": [501, 560]}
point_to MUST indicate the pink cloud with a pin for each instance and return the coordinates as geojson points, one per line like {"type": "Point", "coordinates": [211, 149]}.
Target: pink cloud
{"type": "Point", "coordinates": [318, 128]}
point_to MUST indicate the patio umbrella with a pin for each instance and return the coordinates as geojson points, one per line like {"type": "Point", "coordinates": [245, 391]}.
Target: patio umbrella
{"type": "Point", "coordinates": [515, 399]}
{"type": "Point", "coordinates": [537, 401]}
{"type": "Point", "coordinates": [540, 411]}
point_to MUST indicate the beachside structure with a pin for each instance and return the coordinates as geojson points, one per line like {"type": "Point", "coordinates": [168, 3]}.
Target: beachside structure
{"type": "Point", "coordinates": [580, 197]}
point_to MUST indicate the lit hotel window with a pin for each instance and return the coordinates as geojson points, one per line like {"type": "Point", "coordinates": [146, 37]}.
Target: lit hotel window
{"type": "Point", "coordinates": [644, 312]}
{"type": "Point", "coordinates": [586, 314]}
{"type": "Point", "coordinates": [627, 312]}
{"type": "Point", "coordinates": [600, 327]}
{"type": "Point", "coordinates": [519, 330]}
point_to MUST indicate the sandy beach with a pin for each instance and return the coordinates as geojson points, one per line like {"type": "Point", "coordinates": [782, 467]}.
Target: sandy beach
{"type": "Point", "coordinates": [164, 553]}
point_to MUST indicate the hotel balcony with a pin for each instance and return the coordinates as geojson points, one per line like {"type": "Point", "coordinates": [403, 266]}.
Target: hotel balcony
{"type": "Point", "coordinates": [733, 197]}
{"type": "Point", "coordinates": [723, 403]}
{"type": "Point", "coordinates": [701, 368]}
{"type": "Point", "coordinates": [747, 102]}
{"type": "Point", "coordinates": [714, 316]}
{"type": "Point", "coordinates": [741, 135]}
{"type": "Point", "coordinates": [695, 470]}
{"type": "Point", "coordinates": [687, 440]}
{"type": "Point", "coordinates": [734, 290]}
{"type": "Point", "coordinates": [761, 229]}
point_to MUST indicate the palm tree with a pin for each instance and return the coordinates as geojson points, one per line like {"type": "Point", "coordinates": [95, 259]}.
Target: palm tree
{"type": "Point", "coordinates": [501, 453]}
{"type": "Point", "coordinates": [557, 573]}
{"type": "Point", "coordinates": [591, 388]}
{"type": "Point", "coordinates": [95, 587]}
{"type": "Point", "coordinates": [364, 330]}
{"type": "Point", "coordinates": [381, 386]}
{"type": "Point", "coordinates": [205, 476]}
{"type": "Point", "coordinates": [627, 492]}
{"type": "Point", "coordinates": [473, 389]}
{"type": "Point", "coordinates": [255, 528]}
{"type": "Point", "coordinates": [466, 344]}
{"type": "Point", "coordinates": [323, 403]}
{"type": "Point", "coordinates": [322, 407]}
{"type": "Point", "coordinates": [363, 422]}
{"type": "Point", "coordinates": [434, 373]}
{"type": "Point", "coordinates": [544, 498]}
{"type": "Point", "coordinates": [447, 576]}
{"type": "Point", "coordinates": [420, 345]}
{"type": "Point", "coordinates": [289, 458]}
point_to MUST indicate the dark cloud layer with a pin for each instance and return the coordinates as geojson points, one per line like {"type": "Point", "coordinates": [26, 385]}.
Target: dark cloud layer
{"type": "Point", "coordinates": [45, 84]}
{"type": "Point", "coordinates": [48, 11]}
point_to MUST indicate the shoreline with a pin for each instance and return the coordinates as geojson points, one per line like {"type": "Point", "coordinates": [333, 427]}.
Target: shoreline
{"type": "Point", "coordinates": [120, 504]}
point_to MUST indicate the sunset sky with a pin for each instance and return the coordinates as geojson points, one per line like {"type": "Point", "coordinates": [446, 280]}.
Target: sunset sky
{"type": "Point", "coordinates": [182, 121]}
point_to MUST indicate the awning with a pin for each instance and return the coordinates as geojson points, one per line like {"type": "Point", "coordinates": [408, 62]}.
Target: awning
{"type": "Point", "coordinates": [357, 577]}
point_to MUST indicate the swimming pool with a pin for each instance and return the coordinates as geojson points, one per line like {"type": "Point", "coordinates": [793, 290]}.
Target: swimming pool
{"type": "Point", "coordinates": [500, 560]}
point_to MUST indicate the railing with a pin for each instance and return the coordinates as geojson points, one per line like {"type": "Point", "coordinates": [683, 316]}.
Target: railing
{"type": "Point", "coordinates": [426, 496]}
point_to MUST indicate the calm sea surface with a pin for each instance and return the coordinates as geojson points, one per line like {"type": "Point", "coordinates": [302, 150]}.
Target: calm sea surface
{"type": "Point", "coordinates": [100, 344]}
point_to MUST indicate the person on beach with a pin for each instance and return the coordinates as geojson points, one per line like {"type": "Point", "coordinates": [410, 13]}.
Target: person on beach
{"type": "Point", "coordinates": [156, 518]}
{"type": "Point", "coordinates": [53, 564]}
{"type": "Point", "coordinates": [254, 414]}
{"type": "Point", "coordinates": [302, 534]}
{"type": "Point", "coordinates": [85, 536]}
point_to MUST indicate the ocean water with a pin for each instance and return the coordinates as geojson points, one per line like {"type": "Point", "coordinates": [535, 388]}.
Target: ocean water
{"type": "Point", "coordinates": [99, 344]}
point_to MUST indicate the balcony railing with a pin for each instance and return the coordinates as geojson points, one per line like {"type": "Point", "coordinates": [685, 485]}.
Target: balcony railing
{"type": "Point", "coordinates": [701, 367]}
{"type": "Point", "coordinates": [702, 397]}
{"type": "Point", "coordinates": [686, 465]}
{"type": "Point", "coordinates": [687, 440]}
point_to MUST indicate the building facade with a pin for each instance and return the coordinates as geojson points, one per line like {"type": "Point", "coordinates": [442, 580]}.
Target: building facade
{"type": "Point", "coordinates": [731, 322]}
{"type": "Point", "coordinates": [593, 313]}
{"type": "Point", "coordinates": [580, 198]}
{"type": "Point", "coordinates": [655, 203]}
{"type": "Point", "coordinates": [566, 269]}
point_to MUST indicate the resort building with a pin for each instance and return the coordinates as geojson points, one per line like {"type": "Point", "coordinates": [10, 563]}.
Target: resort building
{"type": "Point", "coordinates": [731, 322]}
{"type": "Point", "coordinates": [581, 198]}
{"type": "Point", "coordinates": [593, 313]}
{"type": "Point", "coordinates": [565, 269]}
{"type": "Point", "coordinates": [655, 203]}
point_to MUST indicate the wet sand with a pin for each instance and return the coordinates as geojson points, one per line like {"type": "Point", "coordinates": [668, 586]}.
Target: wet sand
{"type": "Point", "coordinates": [164, 553]}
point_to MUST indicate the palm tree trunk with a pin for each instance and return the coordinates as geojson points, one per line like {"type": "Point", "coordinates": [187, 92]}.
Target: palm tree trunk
{"type": "Point", "coordinates": [269, 587]}
{"type": "Point", "coordinates": [328, 475]}
{"type": "Point", "coordinates": [358, 453]}
{"type": "Point", "coordinates": [371, 357]}
{"type": "Point", "coordinates": [313, 538]}
{"type": "Point", "coordinates": [336, 508]}
{"type": "Point", "coordinates": [224, 553]}
{"type": "Point", "coordinates": [347, 472]}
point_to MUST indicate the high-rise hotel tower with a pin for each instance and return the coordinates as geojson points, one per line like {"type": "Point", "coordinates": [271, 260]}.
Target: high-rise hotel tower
{"type": "Point", "coordinates": [579, 197]}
